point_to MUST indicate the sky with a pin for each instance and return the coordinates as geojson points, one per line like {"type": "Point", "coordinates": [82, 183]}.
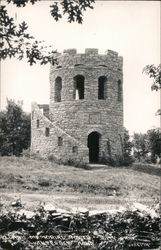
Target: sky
{"type": "Point", "coordinates": [132, 28]}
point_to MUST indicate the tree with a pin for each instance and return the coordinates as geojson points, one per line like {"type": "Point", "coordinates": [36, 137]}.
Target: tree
{"type": "Point", "coordinates": [16, 42]}
{"type": "Point", "coordinates": [127, 144]}
{"type": "Point", "coordinates": [14, 130]}
{"type": "Point", "coordinates": [149, 143]}
{"type": "Point", "coordinates": [140, 145]}
{"type": "Point", "coordinates": [154, 139]}
{"type": "Point", "coordinates": [125, 159]}
{"type": "Point", "coordinates": [154, 72]}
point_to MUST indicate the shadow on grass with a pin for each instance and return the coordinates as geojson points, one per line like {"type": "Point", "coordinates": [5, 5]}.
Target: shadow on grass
{"type": "Point", "coordinates": [147, 168]}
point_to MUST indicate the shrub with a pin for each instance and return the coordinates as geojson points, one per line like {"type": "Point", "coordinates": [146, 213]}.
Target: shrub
{"type": "Point", "coordinates": [107, 161]}
{"type": "Point", "coordinates": [123, 160]}
{"type": "Point", "coordinates": [51, 158]}
{"type": "Point", "coordinates": [36, 156]}
{"type": "Point", "coordinates": [76, 163]}
{"type": "Point", "coordinates": [44, 183]}
{"type": "Point", "coordinates": [68, 162]}
{"type": "Point", "coordinates": [117, 160]}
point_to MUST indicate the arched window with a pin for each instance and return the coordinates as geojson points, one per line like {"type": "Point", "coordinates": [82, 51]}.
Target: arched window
{"type": "Point", "coordinates": [58, 88]}
{"type": "Point", "coordinates": [78, 87]}
{"type": "Point", "coordinates": [102, 87]}
{"type": "Point", "coordinates": [119, 91]}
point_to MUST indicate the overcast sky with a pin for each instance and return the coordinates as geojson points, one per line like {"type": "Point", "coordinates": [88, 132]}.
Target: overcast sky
{"type": "Point", "coordinates": [130, 28]}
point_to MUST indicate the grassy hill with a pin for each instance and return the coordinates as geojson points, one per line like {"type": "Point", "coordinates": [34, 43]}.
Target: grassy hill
{"type": "Point", "coordinates": [37, 181]}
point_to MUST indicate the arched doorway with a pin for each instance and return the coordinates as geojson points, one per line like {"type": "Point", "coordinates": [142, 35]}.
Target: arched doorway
{"type": "Point", "coordinates": [93, 145]}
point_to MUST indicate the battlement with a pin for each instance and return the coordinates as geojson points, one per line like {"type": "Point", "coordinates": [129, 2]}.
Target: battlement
{"type": "Point", "coordinates": [91, 57]}
{"type": "Point", "coordinates": [89, 51]}
{"type": "Point", "coordinates": [70, 51]}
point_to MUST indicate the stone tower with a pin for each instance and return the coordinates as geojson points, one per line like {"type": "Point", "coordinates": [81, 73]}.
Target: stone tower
{"type": "Point", "coordinates": [84, 120]}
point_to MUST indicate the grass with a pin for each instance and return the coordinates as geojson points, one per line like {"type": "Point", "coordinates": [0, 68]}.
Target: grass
{"type": "Point", "coordinates": [65, 186]}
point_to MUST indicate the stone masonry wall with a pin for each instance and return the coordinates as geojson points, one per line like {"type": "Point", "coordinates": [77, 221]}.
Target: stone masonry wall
{"type": "Point", "coordinates": [80, 117]}
{"type": "Point", "coordinates": [47, 146]}
{"type": "Point", "coordinates": [74, 120]}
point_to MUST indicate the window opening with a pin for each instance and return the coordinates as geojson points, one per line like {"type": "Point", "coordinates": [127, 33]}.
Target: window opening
{"type": "Point", "coordinates": [102, 85]}
{"type": "Point", "coordinates": [58, 88]}
{"type": "Point", "coordinates": [75, 149]}
{"type": "Point", "coordinates": [60, 141]}
{"type": "Point", "coordinates": [38, 123]}
{"type": "Point", "coordinates": [47, 132]}
{"type": "Point", "coordinates": [78, 87]}
{"type": "Point", "coordinates": [119, 90]}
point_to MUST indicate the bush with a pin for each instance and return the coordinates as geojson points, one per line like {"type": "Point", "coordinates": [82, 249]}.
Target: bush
{"type": "Point", "coordinates": [107, 161]}
{"type": "Point", "coordinates": [118, 160]}
{"type": "Point", "coordinates": [69, 162]}
{"type": "Point", "coordinates": [44, 183]}
{"type": "Point", "coordinates": [76, 163]}
{"type": "Point", "coordinates": [51, 158]}
{"type": "Point", "coordinates": [34, 156]}
{"type": "Point", "coordinates": [123, 160]}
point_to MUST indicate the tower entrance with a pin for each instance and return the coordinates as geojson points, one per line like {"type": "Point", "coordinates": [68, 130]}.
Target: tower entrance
{"type": "Point", "coordinates": [93, 145]}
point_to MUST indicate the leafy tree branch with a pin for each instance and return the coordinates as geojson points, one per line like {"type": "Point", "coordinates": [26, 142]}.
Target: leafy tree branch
{"type": "Point", "coordinates": [17, 42]}
{"type": "Point", "coordinates": [154, 72]}
{"type": "Point", "coordinates": [73, 8]}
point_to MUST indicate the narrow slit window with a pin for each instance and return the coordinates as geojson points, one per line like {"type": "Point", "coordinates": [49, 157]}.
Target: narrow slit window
{"type": "Point", "coordinates": [58, 89]}
{"type": "Point", "coordinates": [47, 132]}
{"type": "Point", "coordinates": [119, 91]}
{"type": "Point", "coordinates": [78, 87]}
{"type": "Point", "coordinates": [75, 149]}
{"type": "Point", "coordinates": [38, 123]}
{"type": "Point", "coordinates": [102, 87]}
{"type": "Point", "coordinates": [60, 141]}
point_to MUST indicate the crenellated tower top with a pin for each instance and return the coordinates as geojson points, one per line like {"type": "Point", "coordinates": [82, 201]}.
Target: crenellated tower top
{"type": "Point", "coordinates": [91, 58]}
